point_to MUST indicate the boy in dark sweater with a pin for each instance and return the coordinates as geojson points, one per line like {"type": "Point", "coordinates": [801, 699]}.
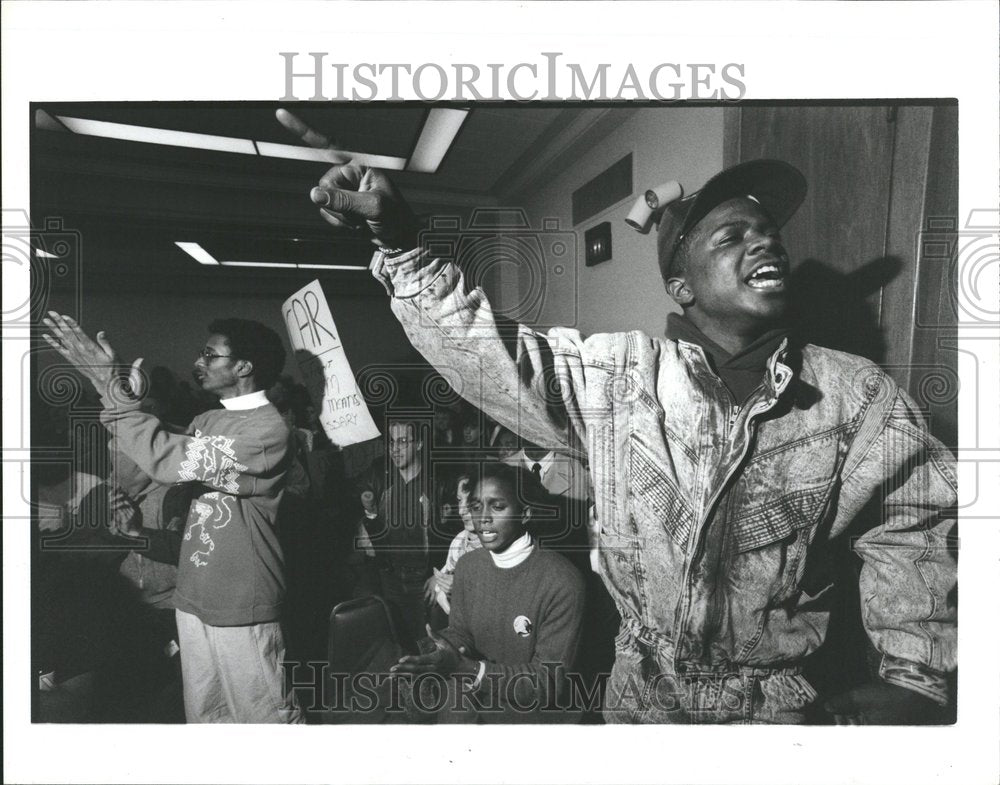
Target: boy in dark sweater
{"type": "Point", "coordinates": [516, 613]}
{"type": "Point", "coordinates": [230, 581]}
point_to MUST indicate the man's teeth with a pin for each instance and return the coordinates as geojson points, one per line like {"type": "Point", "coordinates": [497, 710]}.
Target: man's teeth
{"type": "Point", "coordinates": [767, 277]}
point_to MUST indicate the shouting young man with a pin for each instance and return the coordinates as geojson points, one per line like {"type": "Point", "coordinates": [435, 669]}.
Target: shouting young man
{"type": "Point", "coordinates": [724, 459]}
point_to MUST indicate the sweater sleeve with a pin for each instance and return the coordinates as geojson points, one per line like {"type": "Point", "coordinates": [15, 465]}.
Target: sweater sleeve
{"type": "Point", "coordinates": [233, 461]}
{"type": "Point", "coordinates": [543, 680]}
{"type": "Point", "coordinates": [458, 631]}
{"type": "Point", "coordinates": [126, 474]}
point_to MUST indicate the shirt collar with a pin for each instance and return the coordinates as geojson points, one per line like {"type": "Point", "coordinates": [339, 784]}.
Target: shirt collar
{"type": "Point", "coordinates": [252, 400]}
{"type": "Point", "coordinates": [545, 461]}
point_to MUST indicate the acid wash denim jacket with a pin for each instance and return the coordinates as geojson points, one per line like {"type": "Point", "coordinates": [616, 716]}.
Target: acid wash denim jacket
{"type": "Point", "coordinates": [710, 513]}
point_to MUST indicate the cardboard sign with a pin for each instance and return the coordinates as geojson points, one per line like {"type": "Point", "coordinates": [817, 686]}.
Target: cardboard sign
{"type": "Point", "coordinates": [324, 367]}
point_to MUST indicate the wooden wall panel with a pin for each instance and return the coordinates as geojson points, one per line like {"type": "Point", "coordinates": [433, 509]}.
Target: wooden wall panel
{"type": "Point", "coordinates": [878, 174]}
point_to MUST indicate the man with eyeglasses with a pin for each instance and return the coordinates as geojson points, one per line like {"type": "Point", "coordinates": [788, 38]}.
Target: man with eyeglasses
{"type": "Point", "coordinates": [400, 532]}
{"type": "Point", "coordinates": [230, 581]}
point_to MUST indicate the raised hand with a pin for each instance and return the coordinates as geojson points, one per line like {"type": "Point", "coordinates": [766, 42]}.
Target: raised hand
{"type": "Point", "coordinates": [96, 360]}
{"type": "Point", "coordinates": [351, 195]}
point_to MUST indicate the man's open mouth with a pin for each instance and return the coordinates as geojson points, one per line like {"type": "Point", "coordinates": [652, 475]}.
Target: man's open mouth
{"type": "Point", "coordinates": [487, 536]}
{"type": "Point", "coordinates": [770, 275]}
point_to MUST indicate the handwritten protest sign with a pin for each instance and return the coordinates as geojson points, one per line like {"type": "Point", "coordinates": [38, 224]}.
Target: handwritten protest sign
{"type": "Point", "coordinates": [324, 367]}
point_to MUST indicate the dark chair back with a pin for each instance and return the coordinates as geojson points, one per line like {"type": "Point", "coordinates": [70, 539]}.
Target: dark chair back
{"type": "Point", "coordinates": [361, 637]}
{"type": "Point", "coordinates": [361, 647]}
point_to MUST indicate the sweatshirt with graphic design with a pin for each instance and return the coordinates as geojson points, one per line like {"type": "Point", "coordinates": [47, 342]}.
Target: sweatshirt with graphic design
{"type": "Point", "coordinates": [231, 569]}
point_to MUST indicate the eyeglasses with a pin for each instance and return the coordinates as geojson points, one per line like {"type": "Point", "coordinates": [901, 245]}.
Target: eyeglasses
{"type": "Point", "coordinates": [402, 441]}
{"type": "Point", "coordinates": [208, 355]}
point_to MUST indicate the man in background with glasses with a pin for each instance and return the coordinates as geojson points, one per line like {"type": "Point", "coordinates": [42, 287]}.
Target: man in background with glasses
{"type": "Point", "coordinates": [230, 582]}
{"type": "Point", "coordinates": [399, 531]}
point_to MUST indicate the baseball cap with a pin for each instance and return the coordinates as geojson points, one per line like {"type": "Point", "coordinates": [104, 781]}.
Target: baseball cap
{"type": "Point", "coordinates": [776, 186]}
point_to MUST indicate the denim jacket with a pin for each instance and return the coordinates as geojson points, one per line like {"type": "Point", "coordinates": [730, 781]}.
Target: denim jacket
{"type": "Point", "coordinates": [712, 514]}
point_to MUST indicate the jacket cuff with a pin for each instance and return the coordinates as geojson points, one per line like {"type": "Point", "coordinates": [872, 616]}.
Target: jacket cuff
{"type": "Point", "coordinates": [916, 677]}
{"type": "Point", "coordinates": [406, 274]}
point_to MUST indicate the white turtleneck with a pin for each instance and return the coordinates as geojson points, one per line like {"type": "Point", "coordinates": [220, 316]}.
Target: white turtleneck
{"type": "Point", "coordinates": [248, 401]}
{"type": "Point", "coordinates": [515, 553]}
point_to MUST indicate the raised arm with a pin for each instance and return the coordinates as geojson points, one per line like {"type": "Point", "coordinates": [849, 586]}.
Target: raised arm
{"type": "Point", "coordinates": [530, 383]}
{"type": "Point", "coordinates": [237, 466]}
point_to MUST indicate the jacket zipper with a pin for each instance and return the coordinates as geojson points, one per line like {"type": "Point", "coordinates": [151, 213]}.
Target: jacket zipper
{"type": "Point", "coordinates": [754, 411]}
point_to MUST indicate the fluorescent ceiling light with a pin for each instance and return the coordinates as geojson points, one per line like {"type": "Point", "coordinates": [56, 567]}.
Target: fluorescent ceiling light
{"type": "Point", "coordinates": [436, 136]}
{"type": "Point", "coordinates": [202, 256]}
{"type": "Point", "coordinates": [198, 253]}
{"type": "Point", "coordinates": [139, 133]}
{"type": "Point", "coordinates": [331, 267]}
{"type": "Point", "coordinates": [294, 266]}
{"type": "Point", "coordinates": [299, 153]}
{"type": "Point", "coordinates": [434, 143]}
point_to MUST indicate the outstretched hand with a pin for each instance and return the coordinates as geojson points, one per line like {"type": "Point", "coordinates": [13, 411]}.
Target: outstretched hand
{"type": "Point", "coordinates": [352, 195]}
{"type": "Point", "coordinates": [95, 359]}
{"type": "Point", "coordinates": [446, 659]}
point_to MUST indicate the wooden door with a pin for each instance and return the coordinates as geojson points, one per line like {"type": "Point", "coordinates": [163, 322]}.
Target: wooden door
{"type": "Point", "coordinates": [880, 177]}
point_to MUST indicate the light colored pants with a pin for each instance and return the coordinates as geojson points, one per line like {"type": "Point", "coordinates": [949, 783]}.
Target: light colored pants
{"type": "Point", "coordinates": [233, 674]}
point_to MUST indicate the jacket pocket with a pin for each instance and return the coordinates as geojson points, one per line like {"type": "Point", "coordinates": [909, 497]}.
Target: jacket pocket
{"type": "Point", "coordinates": [656, 497]}
{"type": "Point", "coordinates": [780, 519]}
{"type": "Point", "coordinates": [776, 537]}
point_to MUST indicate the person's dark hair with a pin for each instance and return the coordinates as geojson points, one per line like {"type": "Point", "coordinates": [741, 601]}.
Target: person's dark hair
{"type": "Point", "coordinates": [417, 427]}
{"type": "Point", "coordinates": [525, 485]}
{"type": "Point", "coordinates": [682, 256]}
{"type": "Point", "coordinates": [250, 340]}
{"type": "Point", "coordinates": [678, 267]}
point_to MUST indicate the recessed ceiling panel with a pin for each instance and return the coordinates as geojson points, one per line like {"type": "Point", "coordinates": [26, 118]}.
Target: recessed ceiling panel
{"type": "Point", "coordinates": [383, 129]}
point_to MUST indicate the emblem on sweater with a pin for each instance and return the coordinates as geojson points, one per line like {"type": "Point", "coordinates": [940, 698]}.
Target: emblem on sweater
{"type": "Point", "coordinates": [213, 512]}
{"type": "Point", "coordinates": [522, 626]}
{"type": "Point", "coordinates": [212, 460]}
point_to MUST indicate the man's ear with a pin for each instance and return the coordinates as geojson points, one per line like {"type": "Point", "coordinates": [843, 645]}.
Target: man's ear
{"type": "Point", "coordinates": [526, 516]}
{"type": "Point", "coordinates": [679, 292]}
{"type": "Point", "coordinates": [244, 368]}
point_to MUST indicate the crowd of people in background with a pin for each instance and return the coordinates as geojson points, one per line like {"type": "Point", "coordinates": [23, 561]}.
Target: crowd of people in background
{"type": "Point", "coordinates": [393, 517]}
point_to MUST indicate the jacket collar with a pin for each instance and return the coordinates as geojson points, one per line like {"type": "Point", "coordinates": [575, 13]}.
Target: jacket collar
{"type": "Point", "coordinates": [778, 372]}
{"type": "Point", "coordinates": [752, 357]}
